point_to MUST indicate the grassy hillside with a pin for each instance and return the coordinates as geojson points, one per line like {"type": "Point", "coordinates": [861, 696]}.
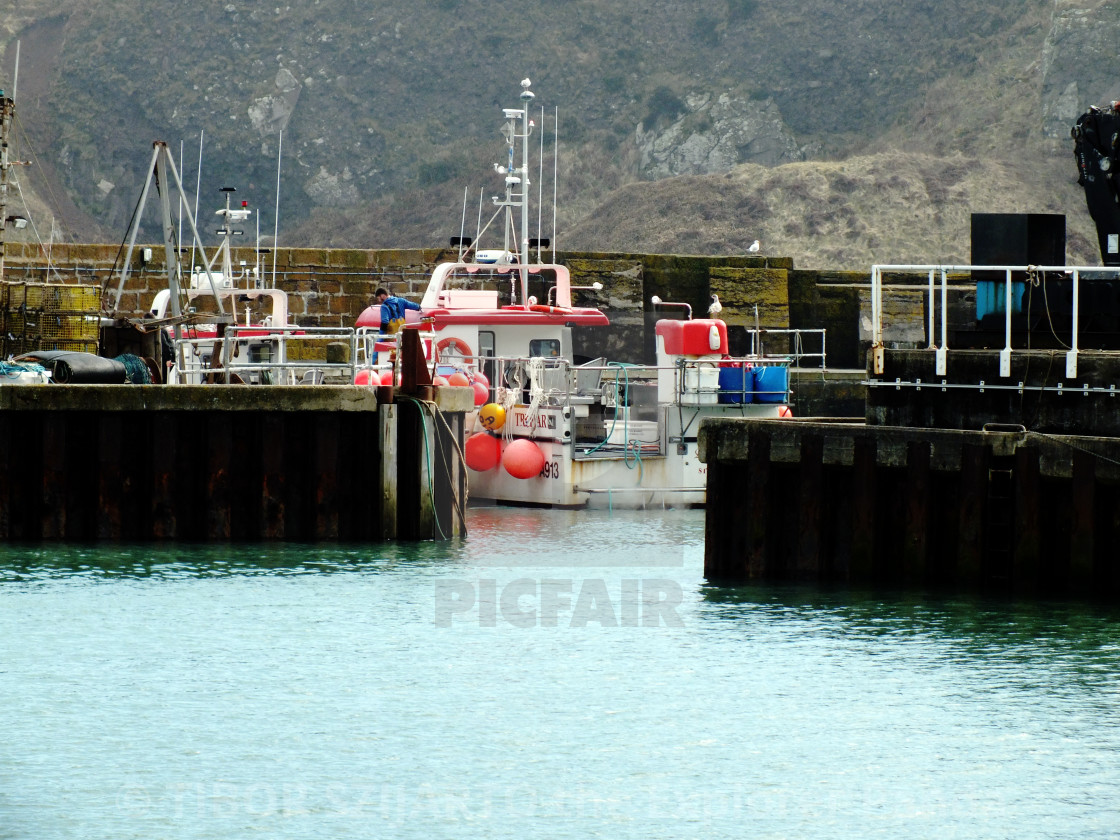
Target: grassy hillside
{"type": "Point", "coordinates": [828, 130]}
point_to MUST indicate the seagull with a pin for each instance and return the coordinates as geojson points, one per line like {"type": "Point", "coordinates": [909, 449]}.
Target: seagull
{"type": "Point", "coordinates": [754, 247]}
{"type": "Point", "coordinates": [716, 306]}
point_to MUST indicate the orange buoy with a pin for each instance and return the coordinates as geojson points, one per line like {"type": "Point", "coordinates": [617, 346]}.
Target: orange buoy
{"type": "Point", "coordinates": [482, 452]}
{"type": "Point", "coordinates": [481, 393]}
{"type": "Point", "coordinates": [440, 380]}
{"type": "Point", "coordinates": [458, 378]}
{"type": "Point", "coordinates": [523, 459]}
{"type": "Point", "coordinates": [785, 411]}
{"type": "Point", "coordinates": [492, 416]}
{"type": "Point", "coordinates": [479, 376]}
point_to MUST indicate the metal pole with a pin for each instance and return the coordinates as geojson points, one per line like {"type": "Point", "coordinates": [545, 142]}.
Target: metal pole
{"type": "Point", "coordinates": [7, 110]}
{"type": "Point", "coordinates": [932, 311]}
{"type": "Point", "coordinates": [135, 230]}
{"type": "Point", "coordinates": [1071, 355]}
{"type": "Point", "coordinates": [526, 98]}
{"type": "Point", "coordinates": [276, 220]}
{"type": "Point", "coordinates": [194, 232]}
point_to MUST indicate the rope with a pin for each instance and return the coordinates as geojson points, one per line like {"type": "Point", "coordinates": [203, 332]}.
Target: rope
{"type": "Point", "coordinates": [1049, 317]}
{"type": "Point", "coordinates": [508, 397]}
{"type": "Point", "coordinates": [426, 406]}
{"type": "Point", "coordinates": [1074, 446]}
{"type": "Point", "coordinates": [536, 390]}
{"type": "Point", "coordinates": [13, 370]}
{"type": "Point", "coordinates": [622, 369]}
{"type": "Point", "coordinates": [428, 462]}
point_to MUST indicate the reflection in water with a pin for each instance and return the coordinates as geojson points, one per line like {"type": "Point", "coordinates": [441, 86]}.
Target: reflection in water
{"type": "Point", "coordinates": [1062, 645]}
{"type": "Point", "coordinates": [498, 536]}
{"type": "Point", "coordinates": [44, 563]}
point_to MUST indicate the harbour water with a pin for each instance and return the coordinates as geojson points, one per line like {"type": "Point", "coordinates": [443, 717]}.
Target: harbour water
{"type": "Point", "coordinates": [555, 674]}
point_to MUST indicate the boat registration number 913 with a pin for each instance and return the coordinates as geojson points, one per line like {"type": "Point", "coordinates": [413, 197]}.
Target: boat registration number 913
{"type": "Point", "coordinates": [551, 469]}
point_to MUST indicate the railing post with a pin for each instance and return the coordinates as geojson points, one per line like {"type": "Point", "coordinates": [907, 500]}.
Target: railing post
{"type": "Point", "coordinates": [877, 356]}
{"type": "Point", "coordinates": [932, 310]}
{"type": "Point", "coordinates": [942, 356]}
{"type": "Point", "coordinates": [1005, 353]}
{"type": "Point", "coordinates": [1071, 356]}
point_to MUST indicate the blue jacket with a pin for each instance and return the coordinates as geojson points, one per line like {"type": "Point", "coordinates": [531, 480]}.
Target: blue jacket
{"type": "Point", "coordinates": [392, 313]}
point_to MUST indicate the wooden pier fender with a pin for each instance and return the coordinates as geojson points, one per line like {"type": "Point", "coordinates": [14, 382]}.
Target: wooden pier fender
{"type": "Point", "coordinates": [994, 510]}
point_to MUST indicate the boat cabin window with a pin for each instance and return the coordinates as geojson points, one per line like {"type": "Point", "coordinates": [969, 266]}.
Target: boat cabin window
{"type": "Point", "coordinates": [547, 347]}
{"type": "Point", "coordinates": [486, 353]}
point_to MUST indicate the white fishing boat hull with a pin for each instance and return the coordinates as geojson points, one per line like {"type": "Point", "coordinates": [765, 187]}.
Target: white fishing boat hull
{"type": "Point", "coordinates": [617, 475]}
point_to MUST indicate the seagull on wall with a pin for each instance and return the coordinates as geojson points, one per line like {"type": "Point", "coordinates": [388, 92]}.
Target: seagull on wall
{"type": "Point", "coordinates": [754, 247]}
{"type": "Point", "coordinates": [716, 306]}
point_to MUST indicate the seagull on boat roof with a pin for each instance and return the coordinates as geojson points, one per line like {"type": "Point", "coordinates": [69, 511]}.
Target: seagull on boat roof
{"type": "Point", "coordinates": [754, 247]}
{"type": "Point", "coordinates": [716, 306]}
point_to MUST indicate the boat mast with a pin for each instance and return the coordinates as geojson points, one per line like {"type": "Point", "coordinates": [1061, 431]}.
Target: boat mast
{"type": "Point", "coordinates": [7, 111]}
{"type": "Point", "coordinates": [517, 185]}
{"type": "Point", "coordinates": [523, 246]}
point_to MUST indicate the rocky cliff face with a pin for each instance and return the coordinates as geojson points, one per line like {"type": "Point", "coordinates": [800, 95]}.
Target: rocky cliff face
{"type": "Point", "coordinates": [718, 132]}
{"type": "Point", "coordinates": [1078, 63]}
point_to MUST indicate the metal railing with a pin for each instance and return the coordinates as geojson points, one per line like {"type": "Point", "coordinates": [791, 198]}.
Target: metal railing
{"type": "Point", "coordinates": [266, 356]}
{"type": "Point", "coordinates": [940, 343]}
{"type": "Point", "coordinates": [794, 350]}
{"type": "Point", "coordinates": [689, 382]}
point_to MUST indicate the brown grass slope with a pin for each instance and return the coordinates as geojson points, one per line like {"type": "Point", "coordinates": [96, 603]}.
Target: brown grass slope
{"type": "Point", "coordinates": [886, 208]}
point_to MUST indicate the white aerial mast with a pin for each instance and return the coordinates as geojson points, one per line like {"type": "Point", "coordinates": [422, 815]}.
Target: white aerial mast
{"type": "Point", "coordinates": [517, 184]}
{"type": "Point", "coordinates": [523, 247]}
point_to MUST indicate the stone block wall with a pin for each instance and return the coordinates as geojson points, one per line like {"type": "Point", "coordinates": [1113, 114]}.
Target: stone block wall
{"type": "Point", "coordinates": [329, 287]}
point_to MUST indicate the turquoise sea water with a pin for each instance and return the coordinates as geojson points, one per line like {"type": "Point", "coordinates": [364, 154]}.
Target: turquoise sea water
{"type": "Point", "coordinates": [556, 674]}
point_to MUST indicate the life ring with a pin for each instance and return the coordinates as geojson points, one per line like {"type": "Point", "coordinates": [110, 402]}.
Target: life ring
{"type": "Point", "coordinates": [453, 346]}
{"type": "Point", "coordinates": [550, 310]}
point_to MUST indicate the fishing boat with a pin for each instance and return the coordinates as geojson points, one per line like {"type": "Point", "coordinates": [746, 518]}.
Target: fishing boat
{"type": "Point", "coordinates": [255, 343]}
{"type": "Point", "coordinates": [551, 428]}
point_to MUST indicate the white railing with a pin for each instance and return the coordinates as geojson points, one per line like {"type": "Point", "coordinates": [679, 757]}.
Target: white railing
{"type": "Point", "coordinates": [941, 344]}
{"type": "Point", "coordinates": [689, 382]}
{"type": "Point", "coordinates": [264, 355]}
{"type": "Point", "coordinates": [367, 339]}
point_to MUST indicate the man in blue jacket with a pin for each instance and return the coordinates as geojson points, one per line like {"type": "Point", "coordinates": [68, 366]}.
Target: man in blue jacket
{"type": "Point", "coordinates": [392, 311]}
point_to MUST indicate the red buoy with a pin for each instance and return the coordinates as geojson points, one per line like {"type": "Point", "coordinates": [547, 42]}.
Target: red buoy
{"type": "Point", "coordinates": [369, 317]}
{"type": "Point", "coordinates": [479, 376]}
{"type": "Point", "coordinates": [481, 393]}
{"type": "Point", "coordinates": [523, 459]}
{"type": "Point", "coordinates": [482, 452]}
{"type": "Point", "coordinates": [365, 377]}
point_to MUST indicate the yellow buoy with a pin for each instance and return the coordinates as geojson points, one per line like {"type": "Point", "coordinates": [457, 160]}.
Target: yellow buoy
{"type": "Point", "coordinates": [492, 416]}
